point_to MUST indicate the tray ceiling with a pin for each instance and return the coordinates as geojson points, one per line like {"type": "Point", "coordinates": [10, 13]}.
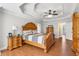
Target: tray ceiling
{"type": "Point", "coordinates": [36, 10]}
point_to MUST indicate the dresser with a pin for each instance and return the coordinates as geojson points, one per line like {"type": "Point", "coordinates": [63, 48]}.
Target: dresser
{"type": "Point", "coordinates": [14, 42]}
{"type": "Point", "coordinates": [75, 23]}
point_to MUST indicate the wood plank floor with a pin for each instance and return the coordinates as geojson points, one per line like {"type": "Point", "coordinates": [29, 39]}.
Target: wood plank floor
{"type": "Point", "coordinates": [59, 49]}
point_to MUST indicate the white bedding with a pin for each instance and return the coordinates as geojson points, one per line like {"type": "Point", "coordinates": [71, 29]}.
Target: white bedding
{"type": "Point", "coordinates": [40, 39]}
{"type": "Point", "coordinates": [30, 37]}
{"type": "Point", "coordinates": [35, 38]}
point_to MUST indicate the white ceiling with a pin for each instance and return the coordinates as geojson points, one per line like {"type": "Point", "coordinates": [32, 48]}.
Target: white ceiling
{"type": "Point", "coordinates": [35, 10]}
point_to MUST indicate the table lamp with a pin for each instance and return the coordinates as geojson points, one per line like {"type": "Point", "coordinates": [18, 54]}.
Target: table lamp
{"type": "Point", "coordinates": [14, 29]}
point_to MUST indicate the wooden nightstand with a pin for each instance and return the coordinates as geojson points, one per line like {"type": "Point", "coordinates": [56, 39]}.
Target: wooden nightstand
{"type": "Point", "coordinates": [14, 42]}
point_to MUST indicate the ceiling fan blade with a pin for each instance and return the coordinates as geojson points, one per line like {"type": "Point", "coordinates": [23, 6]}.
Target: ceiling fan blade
{"type": "Point", "coordinates": [46, 13]}
{"type": "Point", "coordinates": [54, 14]}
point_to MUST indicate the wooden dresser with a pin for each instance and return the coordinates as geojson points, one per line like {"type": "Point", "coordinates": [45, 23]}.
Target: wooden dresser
{"type": "Point", "coordinates": [75, 22]}
{"type": "Point", "coordinates": [14, 42]}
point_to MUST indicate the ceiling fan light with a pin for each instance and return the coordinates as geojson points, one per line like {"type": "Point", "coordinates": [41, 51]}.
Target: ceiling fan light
{"type": "Point", "coordinates": [49, 16]}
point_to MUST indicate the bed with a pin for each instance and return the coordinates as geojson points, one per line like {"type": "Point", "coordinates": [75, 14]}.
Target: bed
{"type": "Point", "coordinates": [41, 40]}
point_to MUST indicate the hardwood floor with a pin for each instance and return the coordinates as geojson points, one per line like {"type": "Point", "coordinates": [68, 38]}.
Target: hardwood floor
{"type": "Point", "coordinates": [59, 49]}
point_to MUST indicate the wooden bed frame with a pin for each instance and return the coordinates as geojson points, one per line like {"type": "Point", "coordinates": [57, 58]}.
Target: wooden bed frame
{"type": "Point", "coordinates": [48, 38]}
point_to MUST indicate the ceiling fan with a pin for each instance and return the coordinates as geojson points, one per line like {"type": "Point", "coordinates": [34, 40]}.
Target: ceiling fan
{"type": "Point", "coordinates": [50, 13]}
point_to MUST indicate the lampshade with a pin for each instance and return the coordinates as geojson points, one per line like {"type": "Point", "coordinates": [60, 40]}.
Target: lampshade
{"type": "Point", "coordinates": [14, 27]}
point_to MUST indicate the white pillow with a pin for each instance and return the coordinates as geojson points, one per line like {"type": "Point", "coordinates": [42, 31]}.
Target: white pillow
{"type": "Point", "coordinates": [27, 32]}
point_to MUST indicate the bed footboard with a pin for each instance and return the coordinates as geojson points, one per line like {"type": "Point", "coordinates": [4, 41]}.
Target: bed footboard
{"type": "Point", "coordinates": [48, 41]}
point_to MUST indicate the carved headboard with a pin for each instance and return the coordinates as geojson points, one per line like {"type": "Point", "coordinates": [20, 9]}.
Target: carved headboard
{"type": "Point", "coordinates": [29, 26]}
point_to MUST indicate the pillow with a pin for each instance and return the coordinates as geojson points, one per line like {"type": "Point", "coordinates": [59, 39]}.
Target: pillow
{"type": "Point", "coordinates": [34, 31]}
{"type": "Point", "coordinates": [27, 32]}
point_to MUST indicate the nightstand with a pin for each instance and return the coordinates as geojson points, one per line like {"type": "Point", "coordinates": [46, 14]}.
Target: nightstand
{"type": "Point", "coordinates": [14, 42]}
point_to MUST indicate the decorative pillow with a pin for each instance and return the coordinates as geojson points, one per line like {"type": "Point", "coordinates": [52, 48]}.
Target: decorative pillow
{"type": "Point", "coordinates": [34, 31]}
{"type": "Point", "coordinates": [27, 32]}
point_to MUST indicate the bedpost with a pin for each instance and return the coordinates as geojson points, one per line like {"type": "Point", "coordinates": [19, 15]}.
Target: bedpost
{"type": "Point", "coordinates": [45, 50]}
